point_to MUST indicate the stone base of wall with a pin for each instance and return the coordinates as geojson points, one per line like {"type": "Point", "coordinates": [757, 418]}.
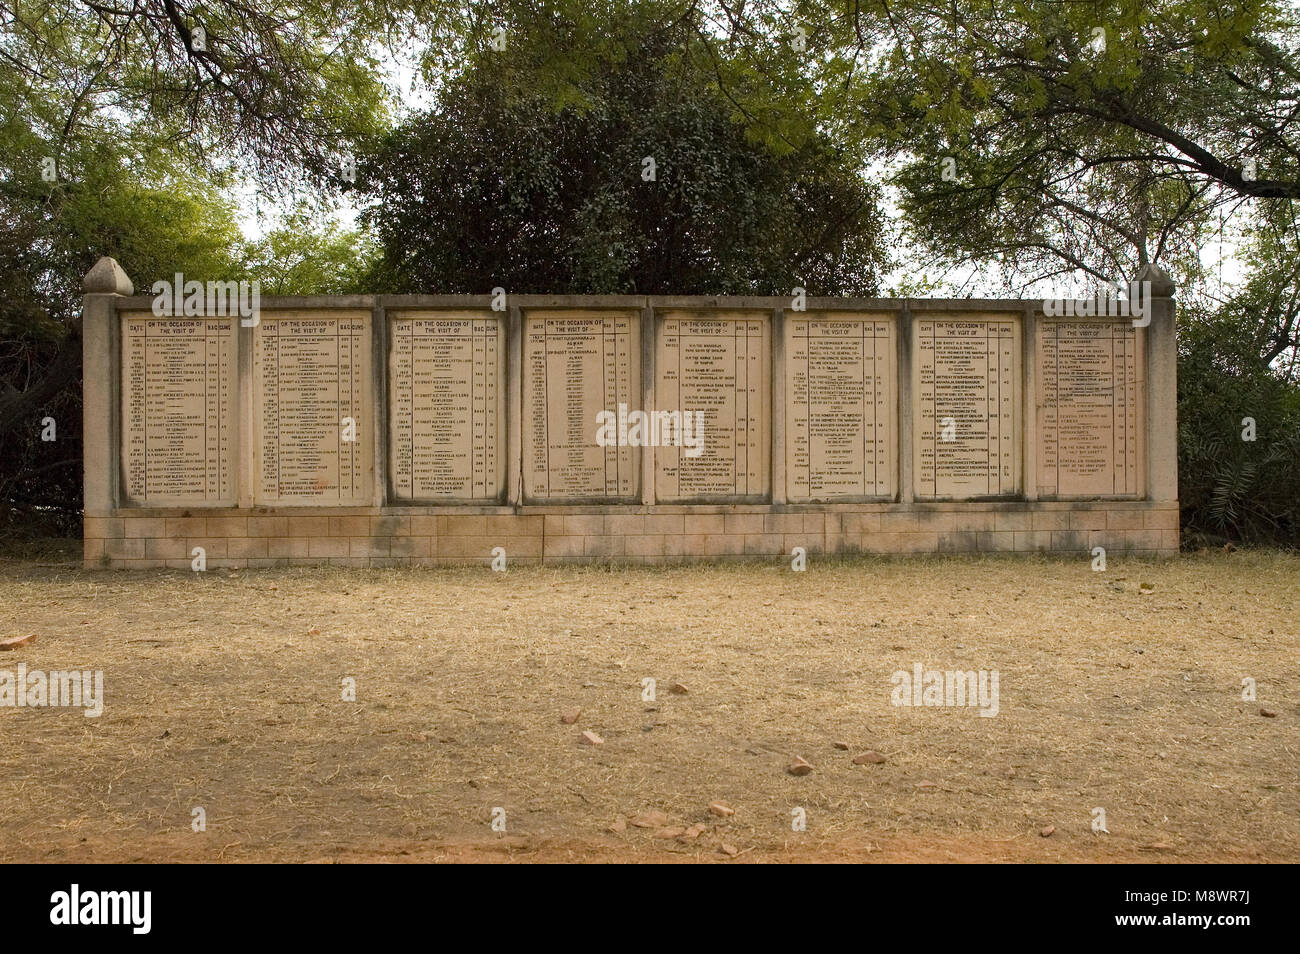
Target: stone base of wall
{"type": "Point", "coordinates": [395, 536]}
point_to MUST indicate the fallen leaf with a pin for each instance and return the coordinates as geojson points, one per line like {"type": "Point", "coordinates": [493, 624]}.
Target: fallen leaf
{"type": "Point", "coordinates": [1048, 831]}
{"type": "Point", "coordinates": [721, 809]}
{"type": "Point", "coordinates": [15, 641]}
{"type": "Point", "coordinates": [570, 716]}
{"type": "Point", "coordinates": [728, 850]}
{"type": "Point", "coordinates": [868, 758]}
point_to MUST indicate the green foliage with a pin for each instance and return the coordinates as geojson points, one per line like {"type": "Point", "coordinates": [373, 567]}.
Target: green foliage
{"type": "Point", "coordinates": [281, 89]}
{"type": "Point", "coordinates": [1089, 138]}
{"type": "Point", "coordinates": [506, 185]}
{"type": "Point", "coordinates": [1077, 160]}
{"type": "Point", "coordinates": [1238, 360]}
{"type": "Point", "coordinates": [131, 206]}
{"type": "Point", "coordinates": [310, 255]}
{"type": "Point", "coordinates": [1231, 488]}
{"type": "Point", "coordinates": [138, 119]}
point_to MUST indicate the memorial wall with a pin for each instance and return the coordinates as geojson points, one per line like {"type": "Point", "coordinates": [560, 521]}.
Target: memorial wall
{"type": "Point", "coordinates": [399, 429]}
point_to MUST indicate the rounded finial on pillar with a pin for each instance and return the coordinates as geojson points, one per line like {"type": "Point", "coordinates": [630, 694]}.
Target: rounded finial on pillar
{"type": "Point", "coordinates": [1162, 286]}
{"type": "Point", "coordinates": [107, 278]}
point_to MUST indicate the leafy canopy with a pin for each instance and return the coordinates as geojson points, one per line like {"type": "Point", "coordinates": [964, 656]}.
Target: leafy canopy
{"type": "Point", "coordinates": [636, 179]}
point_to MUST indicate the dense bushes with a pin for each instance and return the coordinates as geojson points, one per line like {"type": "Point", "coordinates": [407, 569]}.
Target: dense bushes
{"type": "Point", "coordinates": [40, 480]}
{"type": "Point", "coordinates": [1233, 489]}
{"type": "Point", "coordinates": [649, 188]}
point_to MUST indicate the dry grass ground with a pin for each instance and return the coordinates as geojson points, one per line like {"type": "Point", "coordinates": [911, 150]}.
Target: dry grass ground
{"type": "Point", "coordinates": [224, 691]}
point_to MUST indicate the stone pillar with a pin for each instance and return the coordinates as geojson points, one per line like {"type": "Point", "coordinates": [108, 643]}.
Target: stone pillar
{"type": "Point", "coordinates": [906, 488]}
{"type": "Point", "coordinates": [379, 397]}
{"type": "Point", "coordinates": [514, 407]}
{"type": "Point", "coordinates": [779, 493]}
{"type": "Point", "coordinates": [247, 402]}
{"type": "Point", "coordinates": [647, 359]}
{"type": "Point", "coordinates": [102, 285]}
{"type": "Point", "coordinates": [1029, 402]}
{"type": "Point", "coordinates": [1162, 388]}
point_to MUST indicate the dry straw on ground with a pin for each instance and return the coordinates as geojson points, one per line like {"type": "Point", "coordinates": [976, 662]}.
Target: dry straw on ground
{"type": "Point", "coordinates": [224, 692]}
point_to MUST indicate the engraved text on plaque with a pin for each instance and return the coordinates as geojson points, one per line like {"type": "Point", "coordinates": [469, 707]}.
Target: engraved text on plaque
{"type": "Point", "coordinates": [966, 404]}
{"type": "Point", "coordinates": [1090, 395]}
{"type": "Point", "coordinates": [446, 416]}
{"type": "Point", "coordinates": [311, 375]}
{"type": "Point", "coordinates": [841, 407]}
{"type": "Point", "coordinates": [720, 366]}
{"type": "Point", "coordinates": [178, 410]}
{"type": "Point", "coordinates": [576, 365]}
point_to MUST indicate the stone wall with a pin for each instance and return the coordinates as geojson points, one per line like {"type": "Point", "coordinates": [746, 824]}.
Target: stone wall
{"type": "Point", "coordinates": [427, 429]}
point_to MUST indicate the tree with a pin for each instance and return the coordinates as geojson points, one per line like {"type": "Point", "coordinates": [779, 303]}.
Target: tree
{"type": "Point", "coordinates": [119, 125]}
{"type": "Point", "coordinates": [632, 178]}
{"type": "Point", "coordinates": [52, 234]}
{"type": "Point", "coordinates": [1238, 431]}
{"type": "Point", "coordinates": [1043, 139]}
{"type": "Point", "coordinates": [310, 255]}
{"type": "Point", "coordinates": [1089, 138]}
{"type": "Point", "coordinates": [280, 88]}
{"type": "Point", "coordinates": [1266, 305]}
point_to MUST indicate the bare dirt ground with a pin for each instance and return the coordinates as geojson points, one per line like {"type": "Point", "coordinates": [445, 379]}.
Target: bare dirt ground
{"type": "Point", "coordinates": [1119, 690]}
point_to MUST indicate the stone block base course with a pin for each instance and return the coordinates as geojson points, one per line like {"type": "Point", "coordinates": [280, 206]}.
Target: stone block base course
{"type": "Point", "coordinates": [395, 536]}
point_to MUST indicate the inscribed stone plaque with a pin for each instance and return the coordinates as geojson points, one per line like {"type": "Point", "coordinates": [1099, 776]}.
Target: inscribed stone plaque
{"type": "Point", "coordinates": [311, 380]}
{"type": "Point", "coordinates": [178, 410]}
{"type": "Point", "coordinates": [841, 401]}
{"type": "Point", "coordinates": [718, 364]}
{"type": "Point", "coordinates": [446, 411]}
{"type": "Point", "coordinates": [966, 404]}
{"type": "Point", "coordinates": [578, 364]}
{"type": "Point", "coordinates": [1091, 392]}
